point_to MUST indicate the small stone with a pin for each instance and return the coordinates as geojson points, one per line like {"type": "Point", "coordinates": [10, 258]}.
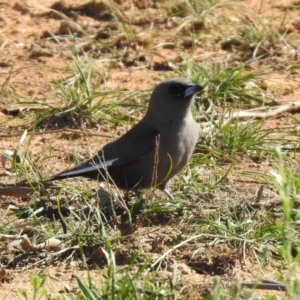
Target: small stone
{"type": "Point", "coordinates": [37, 51]}
{"type": "Point", "coordinates": [67, 27]}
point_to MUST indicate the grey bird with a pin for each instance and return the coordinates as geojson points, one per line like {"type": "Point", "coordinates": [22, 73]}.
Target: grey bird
{"type": "Point", "coordinates": [152, 151]}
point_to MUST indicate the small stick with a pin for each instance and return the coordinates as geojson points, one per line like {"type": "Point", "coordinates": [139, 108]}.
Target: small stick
{"type": "Point", "coordinates": [58, 131]}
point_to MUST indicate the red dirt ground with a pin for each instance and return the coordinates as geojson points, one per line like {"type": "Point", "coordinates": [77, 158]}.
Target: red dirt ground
{"type": "Point", "coordinates": [31, 61]}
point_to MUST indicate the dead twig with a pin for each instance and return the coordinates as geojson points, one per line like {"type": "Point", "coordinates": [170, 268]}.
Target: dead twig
{"type": "Point", "coordinates": [88, 133]}
{"type": "Point", "coordinates": [265, 285]}
{"type": "Point", "coordinates": [21, 192]}
{"type": "Point", "coordinates": [269, 112]}
{"type": "Point", "coordinates": [258, 113]}
{"type": "Point", "coordinates": [24, 243]}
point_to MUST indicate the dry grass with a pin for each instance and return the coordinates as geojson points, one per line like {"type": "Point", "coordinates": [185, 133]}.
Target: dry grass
{"type": "Point", "coordinates": [80, 75]}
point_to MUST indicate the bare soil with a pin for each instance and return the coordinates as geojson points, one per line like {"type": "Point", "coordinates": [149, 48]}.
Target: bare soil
{"type": "Point", "coordinates": [30, 60]}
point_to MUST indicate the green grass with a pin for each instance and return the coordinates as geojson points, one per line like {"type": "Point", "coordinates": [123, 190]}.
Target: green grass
{"type": "Point", "coordinates": [238, 203]}
{"type": "Point", "coordinates": [226, 83]}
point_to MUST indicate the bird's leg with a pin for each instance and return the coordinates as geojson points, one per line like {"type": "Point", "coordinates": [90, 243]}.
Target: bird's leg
{"type": "Point", "coordinates": [136, 208]}
{"type": "Point", "coordinates": [105, 202]}
{"type": "Point", "coordinates": [141, 200]}
{"type": "Point", "coordinates": [168, 194]}
{"type": "Point", "coordinates": [170, 197]}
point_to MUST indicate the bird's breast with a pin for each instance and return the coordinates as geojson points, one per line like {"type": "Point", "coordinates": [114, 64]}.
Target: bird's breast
{"type": "Point", "coordinates": [178, 139]}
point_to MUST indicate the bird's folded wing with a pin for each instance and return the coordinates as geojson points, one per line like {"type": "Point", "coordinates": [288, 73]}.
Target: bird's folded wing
{"type": "Point", "coordinates": [130, 147]}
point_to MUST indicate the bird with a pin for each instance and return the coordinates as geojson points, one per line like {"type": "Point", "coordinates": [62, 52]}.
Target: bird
{"type": "Point", "coordinates": [152, 151]}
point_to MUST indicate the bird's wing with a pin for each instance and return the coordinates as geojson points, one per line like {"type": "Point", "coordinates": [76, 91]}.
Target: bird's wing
{"type": "Point", "coordinates": [135, 144]}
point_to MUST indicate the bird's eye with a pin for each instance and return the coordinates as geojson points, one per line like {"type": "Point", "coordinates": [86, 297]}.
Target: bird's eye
{"type": "Point", "coordinates": [177, 89]}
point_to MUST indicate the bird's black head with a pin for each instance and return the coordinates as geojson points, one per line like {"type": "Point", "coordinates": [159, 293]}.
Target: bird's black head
{"type": "Point", "coordinates": [184, 90]}
{"type": "Point", "coordinates": [174, 94]}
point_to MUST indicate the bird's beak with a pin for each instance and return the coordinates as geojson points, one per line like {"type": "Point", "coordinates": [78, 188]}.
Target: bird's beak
{"type": "Point", "coordinates": [192, 89]}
